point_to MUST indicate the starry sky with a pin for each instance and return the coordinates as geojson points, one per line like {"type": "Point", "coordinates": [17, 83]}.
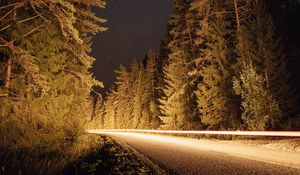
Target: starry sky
{"type": "Point", "coordinates": [134, 26]}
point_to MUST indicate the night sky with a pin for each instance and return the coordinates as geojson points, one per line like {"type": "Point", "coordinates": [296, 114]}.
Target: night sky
{"type": "Point", "coordinates": [134, 26]}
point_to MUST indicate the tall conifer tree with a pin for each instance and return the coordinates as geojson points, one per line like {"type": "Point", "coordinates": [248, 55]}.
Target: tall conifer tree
{"type": "Point", "coordinates": [257, 45]}
{"type": "Point", "coordinates": [47, 53]}
{"type": "Point", "coordinates": [175, 105]}
{"type": "Point", "coordinates": [216, 99]}
{"type": "Point", "coordinates": [150, 94]}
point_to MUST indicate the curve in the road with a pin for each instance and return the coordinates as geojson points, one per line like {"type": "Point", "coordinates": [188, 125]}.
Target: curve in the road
{"type": "Point", "coordinates": [190, 156]}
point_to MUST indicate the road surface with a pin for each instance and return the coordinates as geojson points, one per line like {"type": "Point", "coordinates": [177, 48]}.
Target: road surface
{"type": "Point", "coordinates": [178, 155]}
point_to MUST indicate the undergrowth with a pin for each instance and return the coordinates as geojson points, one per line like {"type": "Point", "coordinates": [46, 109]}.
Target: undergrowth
{"type": "Point", "coordinates": [88, 155]}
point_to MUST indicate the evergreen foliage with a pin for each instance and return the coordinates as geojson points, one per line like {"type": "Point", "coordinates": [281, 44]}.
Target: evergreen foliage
{"type": "Point", "coordinates": [123, 101]}
{"type": "Point", "coordinates": [175, 104]}
{"type": "Point", "coordinates": [138, 120]}
{"type": "Point", "coordinates": [258, 45]}
{"type": "Point", "coordinates": [97, 119]}
{"type": "Point", "coordinates": [47, 82]}
{"type": "Point", "coordinates": [151, 94]}
{"type": "Point", "coordinates": [110, 110]}
{"type": "Point", "coordinates": [134, 98]}
{"type": "Point", "coordinates": [217, 103]}
{"type": "Point", "coordinates": [260, 110]}
{"type": "Point", "coordinates": [177, 87]}
{"type": "Point", "coordinates": [208, 43]}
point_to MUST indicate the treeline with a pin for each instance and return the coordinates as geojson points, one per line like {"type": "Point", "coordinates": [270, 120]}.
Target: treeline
{"type": "Point", "coordinates": [45, 77]}
{"type": "Point", "coordinates": [220, 67]}
{"type": "Point", "coordinates": [132, 101]}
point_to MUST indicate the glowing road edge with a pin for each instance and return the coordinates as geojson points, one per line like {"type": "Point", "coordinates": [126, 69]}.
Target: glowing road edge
{"type": "Point", "coordinates": [237, 133]}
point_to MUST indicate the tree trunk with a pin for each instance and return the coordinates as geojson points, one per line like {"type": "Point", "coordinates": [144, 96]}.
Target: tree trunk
{"type": "Point", "coordinates": [237, 14]}
{"type": "Point", "coordinates": [191, 40]}
{"type": "Point", "coordinates": [9, 68]}
{"type": "Point", "coordinates": [8, 77]}
{"type": "Point", "coordinates": [8, 72]}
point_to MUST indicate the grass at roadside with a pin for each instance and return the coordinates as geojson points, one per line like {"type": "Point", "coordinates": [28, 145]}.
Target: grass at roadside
{"type": "Point", "coordinates": [111, 158]}
{"type": "Point", "coordinates": [88, 155]}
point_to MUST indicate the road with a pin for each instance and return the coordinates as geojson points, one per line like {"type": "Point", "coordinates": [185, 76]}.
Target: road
{"type": "Point", "coordinates": [178, 155]}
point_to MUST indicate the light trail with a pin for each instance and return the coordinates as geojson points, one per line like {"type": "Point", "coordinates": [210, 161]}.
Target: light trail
{"type": "Point", "coordinates": [160, 144]}
{"type": "Point", "coordinates": [236, 133]}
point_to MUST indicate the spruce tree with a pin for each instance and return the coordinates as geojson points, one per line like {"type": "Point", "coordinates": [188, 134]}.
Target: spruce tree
{"type": "Point", "coordinates": [181, 51]}
{"type": "Point", "coordinates": [258, 45]}
{"type": "Point", "coordinates": [110, 110]}
{"type": "Point", "coordinates": [123, 103]}
{"type": "Point", "coordinates": [260, 110]}
{"type": "Point", "coordinates": [175, 105]}
{"type": "Point", "coordinates": [48, 60]}
{"type": "Point", "coordinates": [216, 100]}
{"type": "Point", "coordinates": [150, 91]}
{"type": "Point", "coordinates": [181, 27]}
{"type": "Point", "coordinates": [98, 113]}
{"type": "Point", "coordinates": [138, 119]}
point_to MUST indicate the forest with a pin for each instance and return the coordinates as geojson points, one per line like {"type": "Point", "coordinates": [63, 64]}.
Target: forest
{"type": "Point", "coordinates": [45, 78]}
{"type": "Point", "coordinates": [221, 66]}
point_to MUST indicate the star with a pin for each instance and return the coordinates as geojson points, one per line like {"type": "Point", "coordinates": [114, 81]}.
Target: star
{"type": "Point", "coordinates": [135, 26]}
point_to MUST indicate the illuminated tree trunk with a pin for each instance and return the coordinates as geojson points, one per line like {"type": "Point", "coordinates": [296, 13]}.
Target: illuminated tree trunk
{"type": "Point", "coordinates": [237, 14]}
{"type": "Point", "coordinates": [238, 24]}
{"type": "Point", "coordinates": [8, 75]}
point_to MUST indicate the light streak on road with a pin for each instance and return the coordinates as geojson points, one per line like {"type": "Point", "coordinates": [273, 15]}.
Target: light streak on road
{"type": "Point", "coordinates": [237, 133]}
{"type": "Point", "coordinates": [143, 139]}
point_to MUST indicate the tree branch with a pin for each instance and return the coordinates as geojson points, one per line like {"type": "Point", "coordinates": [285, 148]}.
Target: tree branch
{"type": "Point", "coordinates": [8, 13]}
{"type": "Point", "coordinates": [20, 22]}
{"type": "Point", "coordinates": [13, 4]}
{"type": "Point", "coordinates": [33, 30]}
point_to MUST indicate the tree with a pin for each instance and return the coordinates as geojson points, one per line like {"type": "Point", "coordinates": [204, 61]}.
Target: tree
{"type": "Point", "coordinates": [123, 98]}
{"type": "Point", "coordinates": [110, 110]}
{"type": "Point", "coordinates": [97, 120]}
{"type": "Point", "coordinates": [47, 53]}
{"type": "Point", "coordinates": [260, 110]}
{"type": "Point", "coordinates": [217, 102]}
{"type": "Point", "coordinates": [150, 92]}
{"type": "Point", "coordinates": [258, 45]}
{"type": "Point", "coordinates": [181, 30]}
{"type": "Point", "coordinates": [175, 105]}
{"type": "Point", "coordinates": [181, 51]}
{"type": "Point", "coordinates": [138, 120]}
